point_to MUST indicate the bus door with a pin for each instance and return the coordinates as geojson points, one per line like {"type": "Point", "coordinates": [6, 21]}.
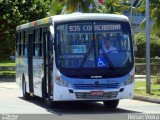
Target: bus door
{"type": "Point", "coordinates": [47, 65]}
{"type": "Point", "coordinates": [30, 61]}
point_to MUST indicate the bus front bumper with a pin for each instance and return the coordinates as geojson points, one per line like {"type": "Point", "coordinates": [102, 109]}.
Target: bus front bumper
{"type": "Point", "coordinates": [70, 94]}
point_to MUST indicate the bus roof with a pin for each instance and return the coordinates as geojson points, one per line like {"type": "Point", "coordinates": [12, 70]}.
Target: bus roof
{"type": "Point", "coordinates": [74, 17]}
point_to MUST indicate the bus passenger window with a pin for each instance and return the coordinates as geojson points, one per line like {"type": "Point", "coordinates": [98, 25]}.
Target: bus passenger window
{"type": "Point", "coordinates": [22, 43]}
{"type": "Point", "coordinates": [17, 43]}
{"type": "Point", "coordinates": [37, 45]}
{"type": "Point", "coordinates": [40, 43]}
{"type": "Point", "coordinates": [25, 45]}
{"type": "Point", "coordinates": [36, 50]}
{"type": "Point", "coordinates": [40, 49]}
{"type": "Point", "coordinates": [20, 46]}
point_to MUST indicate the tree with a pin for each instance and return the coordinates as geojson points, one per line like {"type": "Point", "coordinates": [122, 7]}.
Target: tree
{"type": "Point", "coordinates": [71, 6]}
{"type": "Point", "coordinates": [56, 7]}
{"type": "Point", "coordinates": [154, 16]}
{"type": "Point", "coordinates": [140, 39]}
{"type": "Point", "coordinates": [113, 7]}
{"type": "Point", "coordinates": [14, 13]}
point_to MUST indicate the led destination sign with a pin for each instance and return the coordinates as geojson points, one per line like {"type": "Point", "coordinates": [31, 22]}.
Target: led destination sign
{"type": "Point", "coordinates": [97, 28]}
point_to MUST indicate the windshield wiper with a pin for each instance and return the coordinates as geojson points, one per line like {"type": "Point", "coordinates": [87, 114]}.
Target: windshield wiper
{"type": "Point", "coordinates": [86, 56]}
{"type": "Point", "coordinates": [111, 66]}
{"type": "Point", "coordinates": [104, 53]}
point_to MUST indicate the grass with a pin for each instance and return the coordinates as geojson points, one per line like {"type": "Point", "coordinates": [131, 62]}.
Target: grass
{"type": "Point", "coordinates": [145, 63]}
{"type": "Point", "coordinates": [7, 72]}
{"type": "Point", "coordinates": [140, 89]}
{"type": "Point", "coordinates": [7, 63]}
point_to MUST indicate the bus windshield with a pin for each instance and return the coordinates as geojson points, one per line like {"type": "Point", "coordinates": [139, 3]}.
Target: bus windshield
{"type": "Point", "coordinates": [94, 46]}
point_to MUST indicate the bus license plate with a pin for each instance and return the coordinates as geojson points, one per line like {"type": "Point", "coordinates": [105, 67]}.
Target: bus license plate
{"type": "Point", "coordinates": [97, 93]}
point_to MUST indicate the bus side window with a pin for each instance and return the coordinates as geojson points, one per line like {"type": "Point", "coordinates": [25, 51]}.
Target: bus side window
{"type": "Point", "coordinates": [19, 51]}
{"type": "Point", "coordinates": [17, 43]}
{"type": "Point", "coordinates": [22, 42]}
{"type": "Point", "coordinates": [37, 43]}
{"type": "Point", "coordinates": [40, 43]}
{"type": "Point", "coordinates": [25, 43]}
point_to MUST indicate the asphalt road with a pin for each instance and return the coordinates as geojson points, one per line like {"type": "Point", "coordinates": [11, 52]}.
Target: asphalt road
{"type": "Point", "coordinates": [12, 102]}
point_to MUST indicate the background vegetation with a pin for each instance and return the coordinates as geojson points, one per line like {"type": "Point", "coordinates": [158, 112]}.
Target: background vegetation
{"type": "Point", "coordinates": [140, 41]}
{"type": "Point", "coordinates": [16, 12]}
{"type": "Point", "coordinates": [140, 89]}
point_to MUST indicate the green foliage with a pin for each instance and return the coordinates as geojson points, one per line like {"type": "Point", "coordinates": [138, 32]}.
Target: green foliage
{"type": "Point", "coordinates": [156, 80]}
{"type": "Point", "coordinates": [113, 7]}
{"type": "Point", "coordinates": [143, 60]}
{"type": "Point", "coordinates": [7, 63]}
{"type": "Point", "coordinates": [71, 6]}
{"type": "Point", "coordinates": [140, 40]}
{"type": "Point", "coordinates": [56, 7]}
{"type": "Point", "coordinates": [154, 16]}
{"type": "Point", "coordinates": [14, 13]}
{"type": "Point", "coordinates": [7, 67]}
{"type": "Point", "coordinates": [140, 89]}
{"type": "Point", "coordinates": [6, 73]}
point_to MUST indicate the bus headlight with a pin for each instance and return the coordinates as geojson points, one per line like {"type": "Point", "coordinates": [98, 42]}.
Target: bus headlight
{"type": "Point", "coordinates": [129, 81]}
{"type": "Point", "coordinates": [61, 82]}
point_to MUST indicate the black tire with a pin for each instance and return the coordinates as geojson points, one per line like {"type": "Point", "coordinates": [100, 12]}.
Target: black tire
{"type": "Point", "coordinates": [43, 89]}
{"type": "Point", "coordinates": [111, 104]}
{"type": "Point", "coordinates": [26, 95]}
{"type": "Point", "coordinates": [50, 104]}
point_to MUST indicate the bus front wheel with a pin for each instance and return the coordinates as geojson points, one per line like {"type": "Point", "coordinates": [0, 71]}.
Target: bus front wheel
{"type": "Point", "coordinates": [111, 104]}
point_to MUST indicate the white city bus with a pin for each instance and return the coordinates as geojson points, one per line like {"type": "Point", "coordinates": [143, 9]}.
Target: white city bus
{"type": "Point", "coordinates": [76, 57]}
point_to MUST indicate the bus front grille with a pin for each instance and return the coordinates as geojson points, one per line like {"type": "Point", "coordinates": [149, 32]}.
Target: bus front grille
{"type": "Point", "coordinates": [99, 86]}
{"type": "Point", "coordinates": [87, 95]}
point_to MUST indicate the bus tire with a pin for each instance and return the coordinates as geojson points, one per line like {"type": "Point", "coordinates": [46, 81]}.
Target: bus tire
{"type": "Point", "coordinates": [44, 94]}
{"type": "Point", "coordinates": [111, 104]}
{"type": "Point", "coordinates": [26, 95]}
{"type": "Point", "coordinates": [50, 104]}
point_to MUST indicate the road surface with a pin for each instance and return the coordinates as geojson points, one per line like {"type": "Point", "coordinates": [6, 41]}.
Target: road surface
{"type": "Point", "coordinates": [11, 102]}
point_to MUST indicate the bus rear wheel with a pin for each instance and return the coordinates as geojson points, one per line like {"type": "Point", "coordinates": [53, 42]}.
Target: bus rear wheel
{"type": "Point", "coordinates": [51, 104]}
{"type": "Point", "coordinates": [26, 95]}
{"type": "Point", "coordinates": [111, 104]}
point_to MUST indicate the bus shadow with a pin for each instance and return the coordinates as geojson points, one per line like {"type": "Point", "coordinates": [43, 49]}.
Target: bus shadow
{"type": "Point", "coordinates": [87, 108]}
{"type": "Point", "coordinates": [63, 108]}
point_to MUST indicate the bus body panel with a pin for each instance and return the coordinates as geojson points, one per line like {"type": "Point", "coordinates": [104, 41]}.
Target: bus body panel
{"type": "Point", "coordinates": [38, 73]}
{"type": "Point", "coordinates": [22, 71]}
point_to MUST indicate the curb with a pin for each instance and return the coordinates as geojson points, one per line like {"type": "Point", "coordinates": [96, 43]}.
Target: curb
{"type": "Point", "coordinates": [146, 99]}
